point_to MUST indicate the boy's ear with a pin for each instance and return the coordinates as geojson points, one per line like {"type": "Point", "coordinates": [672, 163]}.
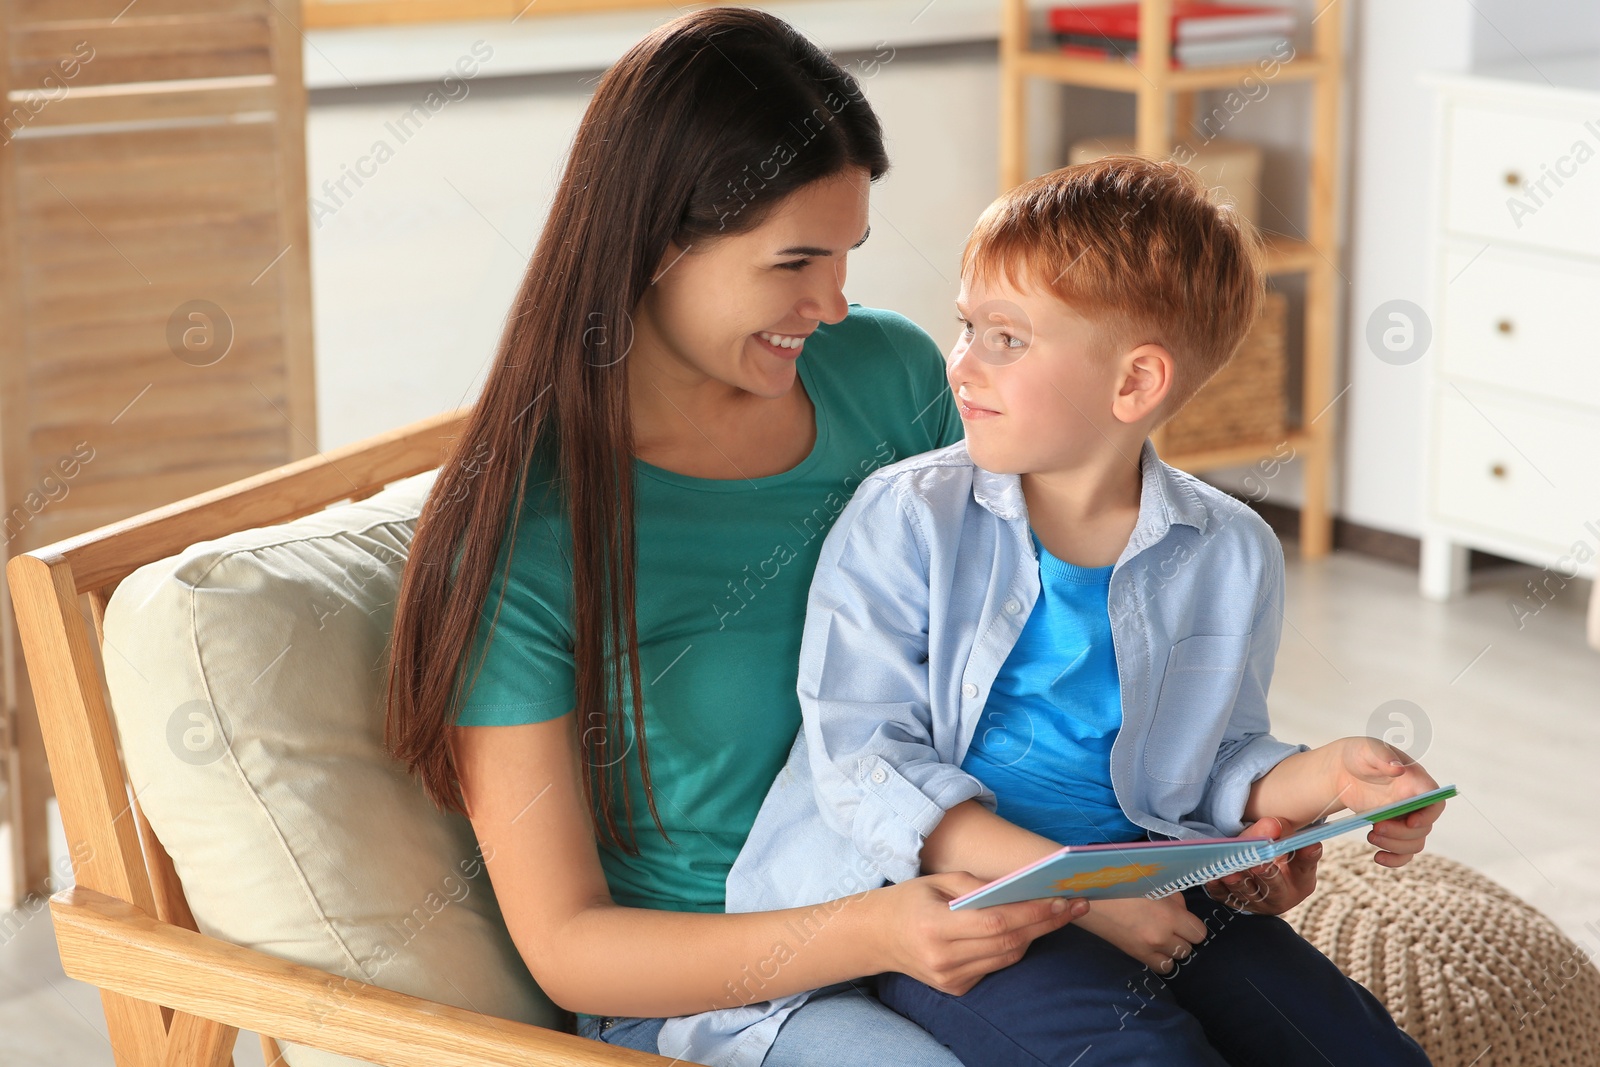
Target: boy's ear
{"type": "Point", "coordinates": [1146, 381]}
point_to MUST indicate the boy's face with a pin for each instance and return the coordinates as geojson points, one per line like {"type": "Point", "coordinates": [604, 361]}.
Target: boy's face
{"type": "Point", "coordinates": [1035, 383]}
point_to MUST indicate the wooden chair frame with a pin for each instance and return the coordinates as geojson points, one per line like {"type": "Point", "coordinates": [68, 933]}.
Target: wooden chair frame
{"type": "Point", "coordinates": [173, 996]}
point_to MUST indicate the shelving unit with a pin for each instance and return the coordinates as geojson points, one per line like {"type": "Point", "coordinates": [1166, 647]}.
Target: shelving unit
{"type": "Point", "coordinates": [1166, 96]}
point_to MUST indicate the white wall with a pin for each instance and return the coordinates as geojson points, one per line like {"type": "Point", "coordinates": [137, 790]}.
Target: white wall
{"type": "Point", "coordinates": [1520, 30]}
{"type": "Point", "coordinates": [413, 274]}
{"type": "Point", "coordinates": [414, 270]}
{"type": "Point", "coordinates": [1390, 208]}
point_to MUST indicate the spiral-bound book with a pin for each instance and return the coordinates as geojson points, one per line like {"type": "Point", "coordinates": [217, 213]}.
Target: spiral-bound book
{"type": "Point", "coordinates": [1156, 868]}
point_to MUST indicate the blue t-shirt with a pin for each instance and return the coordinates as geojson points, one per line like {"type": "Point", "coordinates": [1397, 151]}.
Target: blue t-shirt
{"type": "Point", "coordinates": [1043, 743]}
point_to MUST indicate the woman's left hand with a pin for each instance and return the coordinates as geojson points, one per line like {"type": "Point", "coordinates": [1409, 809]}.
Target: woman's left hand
{"type": "Point", "coordinates": [1272, 888]}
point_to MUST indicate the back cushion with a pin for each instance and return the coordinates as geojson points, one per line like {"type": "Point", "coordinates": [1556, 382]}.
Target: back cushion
{"type": "Point", "coordinates": [247, 680]}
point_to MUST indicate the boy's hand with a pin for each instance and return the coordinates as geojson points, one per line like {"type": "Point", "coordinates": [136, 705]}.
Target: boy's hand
{"type": "Point", "coordinates": [1369, 773]}
{"type": "Point", "coordinates": [1154, 932]}
{"type": "Point", "coordinates": [1274, 887]}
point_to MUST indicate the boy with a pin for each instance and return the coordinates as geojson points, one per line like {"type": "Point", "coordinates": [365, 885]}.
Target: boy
{"type": "Point", "coordinates": [1043, 635]}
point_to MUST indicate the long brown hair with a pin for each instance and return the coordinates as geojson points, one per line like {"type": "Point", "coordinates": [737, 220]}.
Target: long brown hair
{"type": "Point", "coordinates": [696, 133]}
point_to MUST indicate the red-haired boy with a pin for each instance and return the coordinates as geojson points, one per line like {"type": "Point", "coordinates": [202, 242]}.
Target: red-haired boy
{"type": "Point", "coordinates": [1044, 635]}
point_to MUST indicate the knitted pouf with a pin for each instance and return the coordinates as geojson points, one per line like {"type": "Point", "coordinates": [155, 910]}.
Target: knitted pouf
{"type": "Point", "coordinates": [1476, 975]}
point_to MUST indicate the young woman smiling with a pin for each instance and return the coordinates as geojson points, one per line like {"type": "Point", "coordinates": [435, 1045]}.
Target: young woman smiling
{"type": "Point", "coordinates": [596, 643]}
{"type": "Point", "coordinates": [681, 402]}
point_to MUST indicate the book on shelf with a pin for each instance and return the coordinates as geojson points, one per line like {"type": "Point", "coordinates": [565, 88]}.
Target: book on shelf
{"type": "Point", "coordinates": [1191, 21]}
{"type": "Point", "coordinates": [1184, 53]}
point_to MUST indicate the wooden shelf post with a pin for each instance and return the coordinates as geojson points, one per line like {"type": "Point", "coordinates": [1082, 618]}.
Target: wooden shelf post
{"type": "Point", "coordinates": [1013, 94]}
{"type": "Point", "coordinates": [1322, 304]}
{"type": "Point", "coordinates": [1163, 101]}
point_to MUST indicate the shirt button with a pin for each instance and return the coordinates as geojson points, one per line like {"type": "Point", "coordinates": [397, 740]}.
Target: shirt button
{"type": "Point", "coordinates": [878, 775]}
{"type": "Point", "coordinates": [969, 690]}
{"type": "Point", "coordinates": [1012, 607]}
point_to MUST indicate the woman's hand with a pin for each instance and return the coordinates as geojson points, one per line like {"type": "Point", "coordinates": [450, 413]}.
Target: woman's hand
{"type": "Point", "coordinates": [1154, 932]}
{"type": "Point", "coordinates": [951, 950]}
{"type": "Point", "coordinates": [523, 789]}
{"type": "Point", "coordinates": [1272, 888]}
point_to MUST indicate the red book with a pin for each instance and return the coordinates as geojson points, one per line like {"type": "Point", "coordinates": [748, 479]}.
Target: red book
{"type": "Point", "coordinates": [1191, 20]}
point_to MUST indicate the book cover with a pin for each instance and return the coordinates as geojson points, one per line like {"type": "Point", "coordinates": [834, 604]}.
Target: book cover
{"type": "Point", "coordinates": [1157, 868]}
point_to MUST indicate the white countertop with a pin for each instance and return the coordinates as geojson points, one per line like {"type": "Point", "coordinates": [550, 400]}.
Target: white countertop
{"type": "Point", "coordinates": [423, 52]}
{"type": "Point", "coordinates": [1557, 78]}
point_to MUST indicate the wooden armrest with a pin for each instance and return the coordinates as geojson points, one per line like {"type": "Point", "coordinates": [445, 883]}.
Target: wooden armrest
{"type": "Point", "coordinates": [105, 556]}
{"type": "Point", "coordinates": [111, 944]}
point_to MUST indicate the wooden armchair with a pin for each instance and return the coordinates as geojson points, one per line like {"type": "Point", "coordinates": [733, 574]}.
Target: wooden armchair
{"type": "Point", "coordinates": [173, 996]}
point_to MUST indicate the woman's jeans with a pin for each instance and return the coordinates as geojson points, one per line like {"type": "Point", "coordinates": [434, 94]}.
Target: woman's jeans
{"type": "Point", "coordinates": [841, 1025]}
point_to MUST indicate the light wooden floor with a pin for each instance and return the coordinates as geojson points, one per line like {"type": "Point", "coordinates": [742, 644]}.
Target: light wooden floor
{"type": "Point", "coordinates": [1514, 718]}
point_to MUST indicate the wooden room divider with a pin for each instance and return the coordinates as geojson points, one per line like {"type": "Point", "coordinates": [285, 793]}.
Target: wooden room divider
{"type": "Point", "coordinates": [155, 300]}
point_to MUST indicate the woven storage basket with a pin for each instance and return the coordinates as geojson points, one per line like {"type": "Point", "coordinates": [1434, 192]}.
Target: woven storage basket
{"type": "Point", "coordinates": [1476, 975]}
{"type": "Point", "coordinates": [1246, 402]}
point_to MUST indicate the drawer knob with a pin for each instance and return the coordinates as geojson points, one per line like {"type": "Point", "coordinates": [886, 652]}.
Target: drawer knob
{"type": "Point", "coordinates": [1513, 178]}
{"type": "Point", "coordinates": [1498, 470]}
{"type": "Point", "coordinates": [1504, 325]}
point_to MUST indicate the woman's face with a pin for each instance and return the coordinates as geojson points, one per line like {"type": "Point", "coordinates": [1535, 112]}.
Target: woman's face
{"type": "Point", "coordinates": [738, 310]}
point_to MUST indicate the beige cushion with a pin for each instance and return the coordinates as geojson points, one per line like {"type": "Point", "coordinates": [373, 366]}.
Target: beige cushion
{"type": "Point", "coordinates": [292, 830]}
{"type": "Point", "coordinates": [1471, 971]}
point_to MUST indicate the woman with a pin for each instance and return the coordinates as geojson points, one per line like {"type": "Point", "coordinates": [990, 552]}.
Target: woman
{"type": "Point", "coordinates": [682, 403]}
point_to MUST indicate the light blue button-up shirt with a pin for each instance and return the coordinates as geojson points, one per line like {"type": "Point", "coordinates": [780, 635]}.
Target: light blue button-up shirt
{"type": "Point", "coordinates": [923, 585]}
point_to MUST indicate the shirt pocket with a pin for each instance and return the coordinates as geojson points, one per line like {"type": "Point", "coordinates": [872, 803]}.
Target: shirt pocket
{"type": "Point", "coordinates": [1198, 689]}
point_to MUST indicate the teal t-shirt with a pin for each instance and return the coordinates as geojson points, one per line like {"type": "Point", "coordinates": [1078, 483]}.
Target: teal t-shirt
{"type": "Point", "coordinates": [724, 567]}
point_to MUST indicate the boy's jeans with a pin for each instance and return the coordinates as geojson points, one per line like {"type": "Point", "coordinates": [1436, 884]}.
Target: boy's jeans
{"type": "Point", "coordinates": [1253, 994]}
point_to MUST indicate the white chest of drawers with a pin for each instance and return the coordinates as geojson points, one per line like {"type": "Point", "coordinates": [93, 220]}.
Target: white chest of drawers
{"type": "Point", "coordinates": [1513, 397]}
